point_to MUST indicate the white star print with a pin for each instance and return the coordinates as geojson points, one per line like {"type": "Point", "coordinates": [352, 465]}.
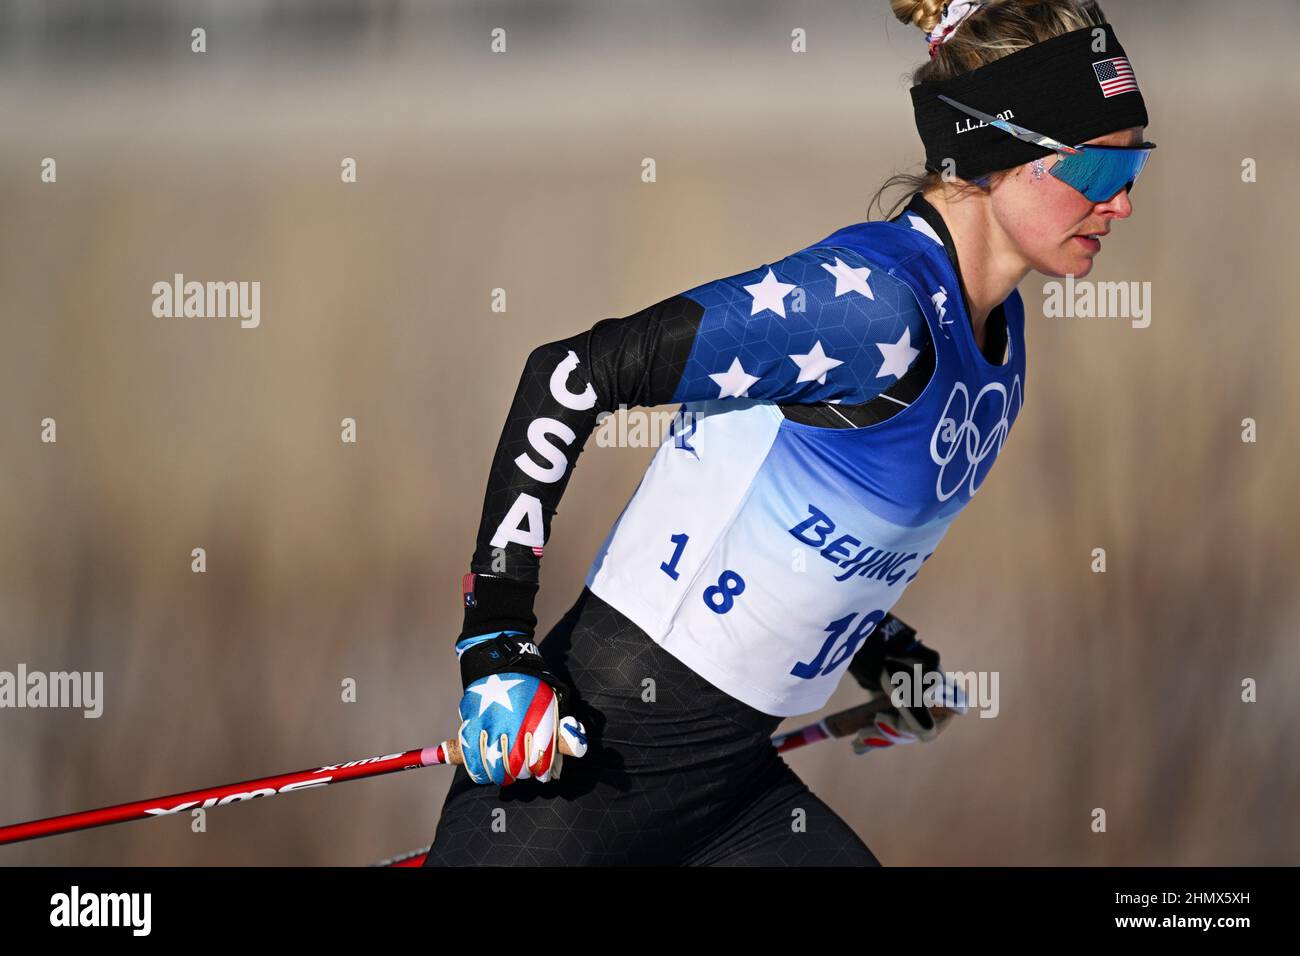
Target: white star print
{"type": "Point", "coordinates": [769, 294]}
{"type": "Point", "coordinates": [849, 279]}
{"type": "Point", "coordinates": [898, 356]}
{"type": "Point", "coordinates": [735, 381]}
{"type": "Point", "coordinates": [492, 753]}
{"type": "Point", "coordinates": [814, 365]}
{"type": "Point", "coordinates": [923, 227]}
{"type": "Point", "coordinates": [494, 690]}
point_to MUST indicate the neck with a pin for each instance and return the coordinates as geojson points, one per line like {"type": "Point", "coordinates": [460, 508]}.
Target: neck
{"type": "Point", "coordinates": [990, 267]}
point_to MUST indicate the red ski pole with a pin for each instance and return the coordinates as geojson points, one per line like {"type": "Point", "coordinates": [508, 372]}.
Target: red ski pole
{"type": "Point", "coordinates": [842, 723]}
{"type": "Point", "coordinates": [414, 858]}
{"type": "Point", "coordinates": [447, 752]}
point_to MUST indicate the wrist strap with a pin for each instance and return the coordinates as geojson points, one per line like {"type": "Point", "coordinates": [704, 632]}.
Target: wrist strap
{"type": "Point", "coordinates": [502, 653]}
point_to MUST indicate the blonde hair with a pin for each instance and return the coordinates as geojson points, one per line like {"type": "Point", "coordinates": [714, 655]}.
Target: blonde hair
{"type": "Point", "coordinates": [994, 30]}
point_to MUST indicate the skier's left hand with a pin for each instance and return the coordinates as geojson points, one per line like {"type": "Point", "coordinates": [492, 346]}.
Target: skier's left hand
{"type": "Point", "coordinates": [893, 648]}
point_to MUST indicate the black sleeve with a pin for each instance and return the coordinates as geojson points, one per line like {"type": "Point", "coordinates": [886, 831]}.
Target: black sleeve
{"type": "Point", "coordinates": [565, 385]}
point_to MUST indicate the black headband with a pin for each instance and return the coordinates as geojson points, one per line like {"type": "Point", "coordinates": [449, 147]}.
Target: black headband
{"type": "Point", "coordinates": [1073, 87]}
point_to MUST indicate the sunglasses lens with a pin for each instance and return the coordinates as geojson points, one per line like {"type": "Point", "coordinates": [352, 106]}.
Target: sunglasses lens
{"type": "Point", "coordinates": [1100, 173]}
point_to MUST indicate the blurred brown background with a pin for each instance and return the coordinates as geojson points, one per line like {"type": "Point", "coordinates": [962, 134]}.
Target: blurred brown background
{"type": "Point", "coordinates": [522, 171]}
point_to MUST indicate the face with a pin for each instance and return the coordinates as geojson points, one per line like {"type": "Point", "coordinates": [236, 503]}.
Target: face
{"type": "Point", "coordinates": [1044, 220]}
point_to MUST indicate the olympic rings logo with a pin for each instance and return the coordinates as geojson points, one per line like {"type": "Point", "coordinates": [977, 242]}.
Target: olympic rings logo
{"type": "Point", "coordinates": [957, 441]}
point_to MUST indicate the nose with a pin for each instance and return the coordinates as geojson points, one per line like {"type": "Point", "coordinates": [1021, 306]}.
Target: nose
{"type": "Point", "coordinates": [1117, 205]}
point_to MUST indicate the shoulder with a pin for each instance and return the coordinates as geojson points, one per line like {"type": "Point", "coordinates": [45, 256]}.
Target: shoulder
{"type": "Point", "coordinates": [855, 270]}
{"type": "Point", "coordinates": [830, 322]}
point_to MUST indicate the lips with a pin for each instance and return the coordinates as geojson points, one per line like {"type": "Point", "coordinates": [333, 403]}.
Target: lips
{"type": "Point", "coordinates": [1091, 240]}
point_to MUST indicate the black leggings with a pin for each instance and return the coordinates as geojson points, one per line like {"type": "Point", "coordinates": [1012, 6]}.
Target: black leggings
{"type": "Point", "coordinates": [677, 773]}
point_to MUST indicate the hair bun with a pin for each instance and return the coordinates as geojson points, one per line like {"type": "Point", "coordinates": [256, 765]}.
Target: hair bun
{"type": "Point", "coordinates": [923, 14]}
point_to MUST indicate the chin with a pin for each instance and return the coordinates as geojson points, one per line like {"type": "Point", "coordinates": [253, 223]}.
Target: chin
{"type": "Point", "coordinates": [1083, 268]}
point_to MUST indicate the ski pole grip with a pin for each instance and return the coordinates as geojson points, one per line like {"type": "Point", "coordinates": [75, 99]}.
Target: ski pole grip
{"type": "Point", "coordinates": [452, 749]}
{"type": "Point", "coordinates": [850, 721]}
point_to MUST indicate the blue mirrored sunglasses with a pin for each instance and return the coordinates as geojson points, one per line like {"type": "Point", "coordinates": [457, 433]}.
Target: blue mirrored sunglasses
{"type": "Point", "coordinates": [1099, 172]}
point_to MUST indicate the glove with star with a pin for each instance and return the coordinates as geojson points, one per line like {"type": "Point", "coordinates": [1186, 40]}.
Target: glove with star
{"type": "Point", "coordinates": [893, 649]}
{"type": "Point", "coordinates": [513, 712]}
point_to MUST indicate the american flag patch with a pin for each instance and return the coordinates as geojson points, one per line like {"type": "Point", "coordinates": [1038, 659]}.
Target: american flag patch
{"type": "Point", "coordinates": [1115, 76]}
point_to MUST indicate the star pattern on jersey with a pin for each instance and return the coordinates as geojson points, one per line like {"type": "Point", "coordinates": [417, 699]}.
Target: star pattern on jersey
{"type": "Point", "coordinates": [769, 294]}
{"type": "Point", "coordinates": [814, 365]}
{"type": "Point", "coordinates": [735, 381]}
{"type": "Point", "coordinates": [823, 324]}
{"type": "Point", "coordinates": [849, 279]}
{"type": "Point", "coordinates": [493, 690]}
{"type": "Point", "coordinates": [898, 356]}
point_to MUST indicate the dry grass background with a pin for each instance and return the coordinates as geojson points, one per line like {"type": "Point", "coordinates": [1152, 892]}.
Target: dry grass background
{"type": "Point", "coordinates": [329, 561]}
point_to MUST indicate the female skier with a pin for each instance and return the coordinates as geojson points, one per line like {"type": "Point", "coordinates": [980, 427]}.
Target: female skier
{"type": "Point", "coordinates": [842, 406]}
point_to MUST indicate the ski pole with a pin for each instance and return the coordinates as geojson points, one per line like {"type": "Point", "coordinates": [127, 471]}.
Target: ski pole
{"type": "Point", "coordinates": [447, 752]}
{"type": "Point", "coordinates": [414, 858]}
{"type": "Point", "coordinates": [842, 723]}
